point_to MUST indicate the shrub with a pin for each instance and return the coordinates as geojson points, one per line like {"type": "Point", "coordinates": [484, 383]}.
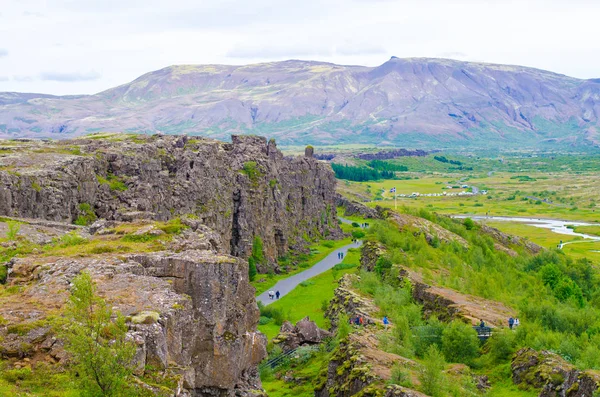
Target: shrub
{"type": "Point", "coordinates": [307, 283]}
{"type": "Point", "coordinates": [431, 373]}
{"type": "Point", "coordinates": [257, 257]}
{"type": "Point", "coordinates": [3, 274]}
{"type": "Point", "coordinates": [400, 376]}
{"type": "Point", "coordinates": [86, 215]}
{"type": "Point", "coordinates": [343, 329]}
{"type": "Point", "coordinates": [354, 224]}
{"type": "Point", "coordinates": [501, 345]}
{"type": "Point", "coordinates": [252, 171]}
{"type": "Point", "coordinates": [427, 335]}
{"type": "Point", "coordinates": [101, 353]}
{"type": "Point", "coordinates": [469, 224]}
{"type": "Point", "coordinates": [264, 320]}
{"type": "Point", "coordinates": [460, 343]}
{"type": "Point", "coordinates": [13, 230]}
{"type": "Point", "coordinates": [358, 234]}
{"type": "Point", "coordinates": [328, 244]}
{"type": "Point", "coordinates": [174, 226]}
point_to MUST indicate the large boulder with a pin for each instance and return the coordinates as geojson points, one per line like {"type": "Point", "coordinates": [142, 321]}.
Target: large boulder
{"type": "Point", "coordinates": [306, 332]}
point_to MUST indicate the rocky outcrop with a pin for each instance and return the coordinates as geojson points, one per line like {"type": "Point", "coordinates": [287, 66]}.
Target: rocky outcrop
{"type": "Point", "coordinates": [370, 253]}
{"type": "Point", "coordinates": [508, 240]}
{"type": "Point", "coordinates": [192, 314]}
{"type": "Point", "coordinates": [305, 332]}
{"type": "Point", "coordinates": [552, 374]}
{"type": "Point", "coordinates": [432, 231]}
{"type": "Point", "coordinates": [349, 302]}
{"type": "Point", "coordinates": [354, 208]}
{"type": "Point", "coordinates": [447, 304]}
{"type": "Point", "coordinates": [242, 189]}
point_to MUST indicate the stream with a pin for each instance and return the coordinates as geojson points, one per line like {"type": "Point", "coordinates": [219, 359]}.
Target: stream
{"type": "Point", "coordinates": [555, 225]}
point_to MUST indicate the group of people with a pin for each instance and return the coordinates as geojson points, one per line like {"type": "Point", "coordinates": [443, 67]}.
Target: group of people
{"type": "Point", "coordinates": [357, 320]}
{"type": "Point", "coordinates": [273, 294]}
{"type": "Point", "coordinates": [513, 323]}
{"type": "Point", "coordinates": [355, 240]}
{"type": "Point", "coordinates": [364, 225]}
{"type": "Point", "coordinates": [340, 255]}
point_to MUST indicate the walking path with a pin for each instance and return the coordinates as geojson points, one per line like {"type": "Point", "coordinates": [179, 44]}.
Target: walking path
{"type": "Point", "coordinates": [287, 285]}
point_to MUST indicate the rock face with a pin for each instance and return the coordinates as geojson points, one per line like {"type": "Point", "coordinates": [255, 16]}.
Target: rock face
{"type": "Point", "coordinates": [349, 302]}
{"type": "Point", "coordinates": [192, 314]}
{"type": "Point", "coordinates": [305, 332]}
{"type": "Point", "coordinates": [447, 304]}
{"type": "Point", "coordinates": [553, 375]}
{"type": "Point", "coordinates": [370, 253]}
{"type": "Point", "coordinates": [355, 208]}
{"type": "Point", "coordinates": [242, 189]}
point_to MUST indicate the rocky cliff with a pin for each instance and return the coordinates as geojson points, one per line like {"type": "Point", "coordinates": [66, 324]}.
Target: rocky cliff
{"type": "Point", "coordinates": [190, 309]}
{"type": "Point", "coordinates": [242, 189]}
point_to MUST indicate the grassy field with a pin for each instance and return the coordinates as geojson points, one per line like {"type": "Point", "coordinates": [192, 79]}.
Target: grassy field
{"type": "Point", "coordinates": [307, 299]}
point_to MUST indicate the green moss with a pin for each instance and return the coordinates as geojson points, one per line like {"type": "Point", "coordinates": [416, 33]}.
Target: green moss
{"type": "Point", "coordinates": [113, 182]}
{"type": "Point", "coordinates": [145, 317]}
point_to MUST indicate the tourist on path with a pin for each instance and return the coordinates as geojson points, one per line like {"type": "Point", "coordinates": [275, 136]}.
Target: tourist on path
{"type": "Point", "coordinates": [481, 324]}
{"type": "Point", "coordinates": [271, 294]}
{"type": "Point", "coordinates": [517, 322]}
{"type": "Point", "coordinates": [511, 323]}
{"type": "Point", "coordinates": [277, 294]}
{"type": "Point", "coordinates": [386, 322]}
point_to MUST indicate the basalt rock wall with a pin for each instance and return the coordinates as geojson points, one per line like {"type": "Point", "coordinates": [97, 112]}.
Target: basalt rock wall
{"type": "Point", "coordinates": [242, 189]}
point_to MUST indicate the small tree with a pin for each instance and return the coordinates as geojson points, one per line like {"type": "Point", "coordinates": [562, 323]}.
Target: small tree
{"type": "Point", "coordinates": [431, 373]}
{"type": "Point", "coordinates": [460, 343]}
{"type": "Point", "coordinates": [101, 354]}
{"type": "Point", "coordinates": [13, 230]}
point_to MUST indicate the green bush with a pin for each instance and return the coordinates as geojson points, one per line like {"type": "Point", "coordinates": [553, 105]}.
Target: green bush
{"type": "Point", "coordinates": [257, 257]}
{"type": "Point", "coordinates": [460, 343]}
{"type": "Point", "coordinates": [357, 234]}
{"type": "Point", "coordinates": [13, 230]}
{"type": "Point", "coordinates": [3, 274]}
{"type": "Point", "coordinates": [501, 345]}
{"type": "Point", "coordinates": [354, 224]}
{"type": "Point", "coordinates": [86, 216]}
{"type": "Point", "coordinates": [16, 375]}
{"type": "Point", "coordinates": [343, 326]}
{"type": "Point", "coordinates": [328, 244]}
{"type": "Point", "coordinates": [431, 373]}
{"type": "Point", "coordinates": [400, 376]}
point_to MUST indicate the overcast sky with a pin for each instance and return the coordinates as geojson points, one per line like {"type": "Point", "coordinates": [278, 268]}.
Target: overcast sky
{"type": "Point", "coordinates": [86, 46]}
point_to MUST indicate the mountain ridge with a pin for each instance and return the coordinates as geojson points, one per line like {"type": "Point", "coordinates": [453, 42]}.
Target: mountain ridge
{"type": "Point", "coordinates": [431, 102]}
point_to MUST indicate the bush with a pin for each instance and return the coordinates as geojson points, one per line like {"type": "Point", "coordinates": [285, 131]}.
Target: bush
{"type": "Point", "coordinates": [86, 216]}
{"type": "Point", "coordinates": [460, 343]}
{"type": "Point", "coordinates": [101, 352]}
{"type": "Point", "coordinates": [13, 230]}
{"type": "Point", "coordinates": [257, 257]}
{"type": "Point", "coordinates": [328, 244]}
{"type": "Point", "coordinates": [501, 345]}
{"type": "Point", "coordinates": [354, 224]}
{"type": "Point", "coordinates": [431, 373]}
{"type": "Point", "coordinates": [400, 376]}
{"type": "Point", "coordinates": [469, 224]}
{"type": "Point", "coordinates": [343, 329]}
{"type": "Point", "coordinates": [3, 274]}
{"type": "Point", "coordinates": [358, 234]}
{"type": "Point", "coordinates": [264, 320]}
{"type": "Point", "coordinates": [427, 335]}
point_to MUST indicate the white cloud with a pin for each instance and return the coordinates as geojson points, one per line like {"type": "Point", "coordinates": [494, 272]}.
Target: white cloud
{"type": "Point", "coordinates": [121, 40]}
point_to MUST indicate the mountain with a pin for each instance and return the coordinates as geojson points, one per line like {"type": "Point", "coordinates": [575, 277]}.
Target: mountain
{"type": "Point", "coordinates": [403, 102]}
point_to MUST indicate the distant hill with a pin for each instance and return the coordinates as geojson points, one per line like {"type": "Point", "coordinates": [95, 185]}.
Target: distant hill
{"type": "Point", "coordinates": [415, 102]}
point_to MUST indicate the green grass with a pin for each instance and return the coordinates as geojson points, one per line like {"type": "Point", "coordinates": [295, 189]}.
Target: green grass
{"type": "Point", "coordinates": [593, 230]}
{"type": "Point", "coordinates": [308, 371]}
{"type": "Point", "coordinates": [307, 301]}
{"type": "Point", "coordinates": [263, 282]}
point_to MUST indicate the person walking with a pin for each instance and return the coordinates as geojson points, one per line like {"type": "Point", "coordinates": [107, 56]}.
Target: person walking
{"type": "Point", "coordinates": [511, 323]}
{"type": "Point", "coordinates": [271, 294]}
{"type": "Point", "coordinates": [386, 322]}
{"type": "Point", "coordinates": [481, 323]}
{"type": "Point", "coordinates": [517, 322]}
{"type": "Point", "coordinates": [277, 294]}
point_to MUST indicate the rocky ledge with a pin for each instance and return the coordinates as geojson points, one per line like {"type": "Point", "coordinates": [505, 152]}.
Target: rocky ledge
{"type": "Point", "coordinates": [241, 190]}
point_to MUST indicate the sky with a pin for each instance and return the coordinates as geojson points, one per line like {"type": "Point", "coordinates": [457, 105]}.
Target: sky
{"type": "Point", "coordinates": [86, 46]}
